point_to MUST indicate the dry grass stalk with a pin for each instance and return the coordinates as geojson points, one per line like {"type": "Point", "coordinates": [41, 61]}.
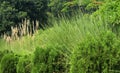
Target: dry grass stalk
{"type": "Point", "coordinates": [26, 28]}
{"type": "Point", "coordinates": [7, 38]}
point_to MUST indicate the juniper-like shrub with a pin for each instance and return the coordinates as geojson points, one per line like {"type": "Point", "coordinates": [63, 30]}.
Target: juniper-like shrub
{"type": "Point", "coordinates": [110, 13]}
{"type": "Point", "coordinates": [100, 54]}
{"type": "Point", "coordinates": [39, 61]}
{"type": "Point", "coordinates": [48, 60]}
{"type": "Point", "coordinates": [2, 53]}
{"type": "Point", "coordinates": [57, 60]}
{"type": "Point", "coordinates": [24, 64]}
{"type": "Point", "coordinates": [8, 63]}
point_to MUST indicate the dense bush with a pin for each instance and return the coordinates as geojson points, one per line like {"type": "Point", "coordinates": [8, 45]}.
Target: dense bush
{"type": "Point", "coordinates": [8, 63]}
{"type": "Point", "coordinates": [110, 12]}
{"type": "Point", "coordinates": [24, 64]}
{"type": "Point", "coordinates": [2, 53]}
{"type": "Point", "coordinates": [98, 50]}
{"type": "Point", "coordinates": [48, 61]}
{"type": "Point", "coordinates": [97, 55]}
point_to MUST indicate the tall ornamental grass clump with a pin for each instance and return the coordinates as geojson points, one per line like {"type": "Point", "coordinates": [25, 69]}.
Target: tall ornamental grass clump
{"type": "Point", "coordinates": [99, 54]}
{"type": "Point", "coordinates": [70, 32]}
{"type": "Point", "coordinates": [21, 39]}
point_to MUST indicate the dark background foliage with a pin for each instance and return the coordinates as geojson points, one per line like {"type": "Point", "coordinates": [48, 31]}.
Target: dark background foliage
{"type": "Point", "coordinates": [12, 12]}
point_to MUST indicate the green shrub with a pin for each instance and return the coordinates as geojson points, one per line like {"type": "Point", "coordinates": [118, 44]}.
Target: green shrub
{"type": "Point", "coordinates": [96, 55]}
{"type": "Point", "coordinates": [24, 64]}
{"type": "Point", "coordinates": [8, 63]}
{"type": "Point", "coordinates": [39, 61]}
{"type": "Point", "coordinates": [48, 60]}
{"type": "Point", "coordinates": [57, 60]}
{"type": "Point", "coordinates": [2, 53]}
{"type": "Point", "coordinates": [110, 11]}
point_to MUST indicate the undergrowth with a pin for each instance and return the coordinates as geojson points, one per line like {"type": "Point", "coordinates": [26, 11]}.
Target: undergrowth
{"type": "Point", "coordinates": [69, 46]}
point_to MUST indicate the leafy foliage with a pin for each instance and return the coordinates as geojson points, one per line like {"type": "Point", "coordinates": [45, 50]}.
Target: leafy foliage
{"type": "Point", "coordinates": [48, 61]}
{"type": "Point", "coordinates": [12, 12]}
{"type": "Point", "coordinates": [24, 64]}
{"type": "Point", "coordinates": [8, 63]}
{"type": "Point", "coordinates": [110, 11]}
{"type": "Point", "coordinates": [79, 44]}
{"type": "Point", "coordinates": [6, 16]}
{"type": "Point", "coordinates": [96, 55]}
{"type": "Point", "coordinates": [2, 53]}
{"type": "Point", "coordinates": [66, 7]}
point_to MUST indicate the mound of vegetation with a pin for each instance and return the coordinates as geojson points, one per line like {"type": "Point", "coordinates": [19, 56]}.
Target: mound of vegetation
{"type": "Point", "coordinates": [97, 54]}
{"type": "Point", "coordinates": [85, 41]}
